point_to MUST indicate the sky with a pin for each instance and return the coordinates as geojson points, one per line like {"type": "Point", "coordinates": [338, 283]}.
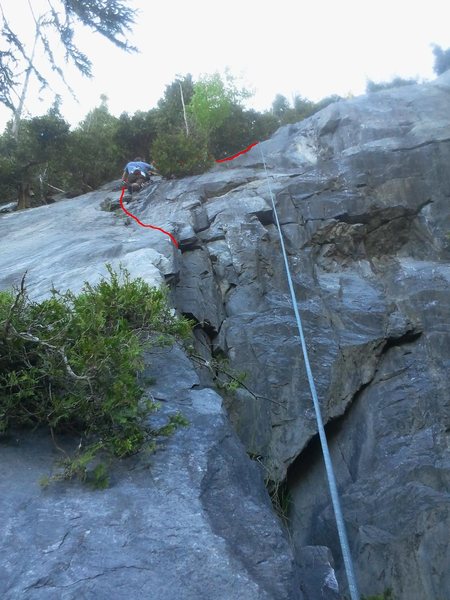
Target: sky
{"type": "Point", "coordinates": [290, 47]}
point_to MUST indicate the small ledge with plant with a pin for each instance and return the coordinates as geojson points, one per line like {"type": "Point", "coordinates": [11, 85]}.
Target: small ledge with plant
{"type": "Point", "coordinates": [70, 363]}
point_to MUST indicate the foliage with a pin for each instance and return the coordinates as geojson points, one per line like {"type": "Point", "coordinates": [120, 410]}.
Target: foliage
{"type": "Point", "coordinates": [280, 105]}
{"type": "Point", "coordinates": [8, 175]}
{"type": "Point", "coordinates": [94, 149]}
{"type": "Point", "coordinates": [239, 130]}
{"type": "Point", "coordinates": [301, 108]}
{"type": "Point", "coordinates": [212, 101]}
{"type": "Point", "coordinates": [70, 363]}
{"type": "Point", "coordinates": [326, 101]}
{"type": "Point", "coordinates": [111, 19]}
{"type": "Point", "coordinates": [46, 156]}
{"type": "Point", "coordinates": [29, 160]}
{"type": "Point", "coordinates": [134, 134]}
{"type": "Point", "coordinates": [170, 107]}
{"type": "Point", "coordinates": [441, 60]}
{"type": "Point", "coordinates": [178, 155]}
{"type": "Point", "coordinates": [226, 378]}
{"type": "Point", "coordinates": [373, 86]}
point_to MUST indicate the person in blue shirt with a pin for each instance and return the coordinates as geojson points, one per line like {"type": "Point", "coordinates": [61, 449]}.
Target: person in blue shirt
{"type": "Point", "coordinates": [136, 173]}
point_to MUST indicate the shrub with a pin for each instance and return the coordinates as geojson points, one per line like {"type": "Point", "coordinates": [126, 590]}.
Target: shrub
{"type": "Point", "coordinates": [373, 86]}
{"type": "Point", "coordinates": [178, 154]}
{"type": "Point", "coordinates": [71, 362]}
{"type": "Point", "coordinates": [441, 59]}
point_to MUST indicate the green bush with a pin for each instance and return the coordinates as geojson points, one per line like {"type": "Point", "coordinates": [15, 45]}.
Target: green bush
{"type": "Point", "coordinates": [71, 362]}
{"type": "Point", "coordinates": [178, 154]}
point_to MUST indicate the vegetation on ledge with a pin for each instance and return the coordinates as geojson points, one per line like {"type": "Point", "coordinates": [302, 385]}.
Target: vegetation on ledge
{"type": "Point", "coordinates": [71, 362]}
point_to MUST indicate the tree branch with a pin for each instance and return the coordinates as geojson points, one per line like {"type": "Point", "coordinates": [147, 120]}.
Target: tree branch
{"type": "Point", "coordinates": [32, 338]}
{"type": "Point", "coordinates": [205, 363]}
{"type": "Point", "coordinates": [20, 295]}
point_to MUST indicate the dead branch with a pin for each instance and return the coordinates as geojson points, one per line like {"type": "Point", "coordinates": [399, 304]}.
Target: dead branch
{"type": "Point", "coordinates": [20, 295]}
{"type": "Point", "coordinates": [32, 338]}
{"type": "Point", "coordinates": [213, 365]}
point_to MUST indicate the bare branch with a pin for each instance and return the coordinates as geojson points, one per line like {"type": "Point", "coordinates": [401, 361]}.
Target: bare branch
{"type": "Point", "coordinates": [19, 296]}
{"type": "Point", "coordinates": [25, 335]}
{"type": "Point", "coordinates": [214, 366]}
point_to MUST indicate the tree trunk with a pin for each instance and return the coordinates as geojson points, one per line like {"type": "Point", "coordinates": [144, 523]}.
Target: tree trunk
{"type": "Point", "coordinates": [24, 196]}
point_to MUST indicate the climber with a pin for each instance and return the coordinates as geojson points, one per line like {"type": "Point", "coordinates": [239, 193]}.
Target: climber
{"type": "Point", "coordinates": [136, 174]}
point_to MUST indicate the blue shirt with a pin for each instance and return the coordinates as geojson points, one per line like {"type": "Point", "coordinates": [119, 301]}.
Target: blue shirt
{"type": "Point", "coordinates": [132, 166]}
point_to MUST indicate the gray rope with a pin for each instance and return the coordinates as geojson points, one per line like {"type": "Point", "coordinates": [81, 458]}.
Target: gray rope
{"type": "Point", "coordinates": [348, 563]}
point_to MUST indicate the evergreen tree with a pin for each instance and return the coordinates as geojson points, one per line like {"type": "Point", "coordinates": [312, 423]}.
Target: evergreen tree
{"type": "Point", "coordinates": [171, 114]}
{"type": "Point", "coordinates": [441, 60]}
{"type": "Point", "coordinates": [135, 134]}
{"type": "Point", "coordinates": [30, 160]}
{"type": "Point", "coordinates": [240, 129]}
{"type": "Point", "coordinates": [373, 86]}
{"type": "Point", "coordinates": [18, 63]}
{"type": "Point", "coordinates": [325, 102]}
{"type": "Point", "coordinates": [94, 152]}
{"type": "Point", "coordinates": [280, 106]}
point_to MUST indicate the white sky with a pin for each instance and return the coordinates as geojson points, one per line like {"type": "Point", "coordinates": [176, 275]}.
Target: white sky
{"type": "Point", "coordinates": [287, 46]}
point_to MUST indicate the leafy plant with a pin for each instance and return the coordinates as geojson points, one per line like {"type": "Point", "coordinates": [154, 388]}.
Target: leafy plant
{"type": "Point", "coordinates": [213, 99]}
{"type": "Point", "coordinates": [178, 155]}
{"type": "Point", "coordinates": [71, 362]}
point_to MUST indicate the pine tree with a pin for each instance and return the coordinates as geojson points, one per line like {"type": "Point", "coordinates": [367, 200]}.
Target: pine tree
{"type": "Point", "coordinates": [441, 60]}
{"type": "Point", "coordinates": [110, 18]}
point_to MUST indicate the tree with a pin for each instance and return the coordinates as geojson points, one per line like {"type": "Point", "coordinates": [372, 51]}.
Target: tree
{"type": "Point", "coordinates": [178, 155]}
{"type": "Point", "coordinates": [441, 60]}
{"type": "Point", "coordinates": [135, 134]}
{"type": "Point", "coordinates": [373, 86]}
{"type": "Point", "coordinates": [280, 105]}
{"type": "Point", "coordinates": [303, 107]}
{"type": "Point", "coordinates": [213, 100]}
{"type": "Point", "coordinates": [17, 61]}
{"type": "Point", "coordinates": [234, 134]}
{"type": "Point", "coordinates": [94, 153]}
{"type": "Point", "coordinates": [240, 129]}
{"type": "Point", "coordinates": [30, 159]}
{"type": "Point", "coordinates": [325, 102]}
{"type": "Point", "coordinates": [171, 113]}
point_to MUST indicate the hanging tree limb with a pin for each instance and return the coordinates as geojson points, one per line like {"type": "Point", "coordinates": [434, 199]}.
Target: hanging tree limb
{"type": "Point", "coordinates": [110, 19]}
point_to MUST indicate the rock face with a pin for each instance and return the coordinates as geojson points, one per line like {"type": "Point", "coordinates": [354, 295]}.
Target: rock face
{"type": "Point", "coordinates": [193, 521]}
{"type": "Point", "coordinates": [362, 190]}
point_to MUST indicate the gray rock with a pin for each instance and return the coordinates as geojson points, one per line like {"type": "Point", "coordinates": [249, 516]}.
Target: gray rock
{"type": "Point", "coordinates": [192, 521]}
{"type": "Point", "coordinates": [318, 577]}
{"type": "Point", "coordinates": [8, 207]}
{"type": "Point", "coordinates": [110, 204]}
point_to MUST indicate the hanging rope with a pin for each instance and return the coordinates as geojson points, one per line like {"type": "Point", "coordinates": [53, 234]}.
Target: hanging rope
{"type": "Point", "coordinates": [348, 563]}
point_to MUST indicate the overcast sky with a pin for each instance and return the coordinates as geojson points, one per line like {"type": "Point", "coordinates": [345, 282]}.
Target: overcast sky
{"type": "Point", "coordinates": [287, 46]}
